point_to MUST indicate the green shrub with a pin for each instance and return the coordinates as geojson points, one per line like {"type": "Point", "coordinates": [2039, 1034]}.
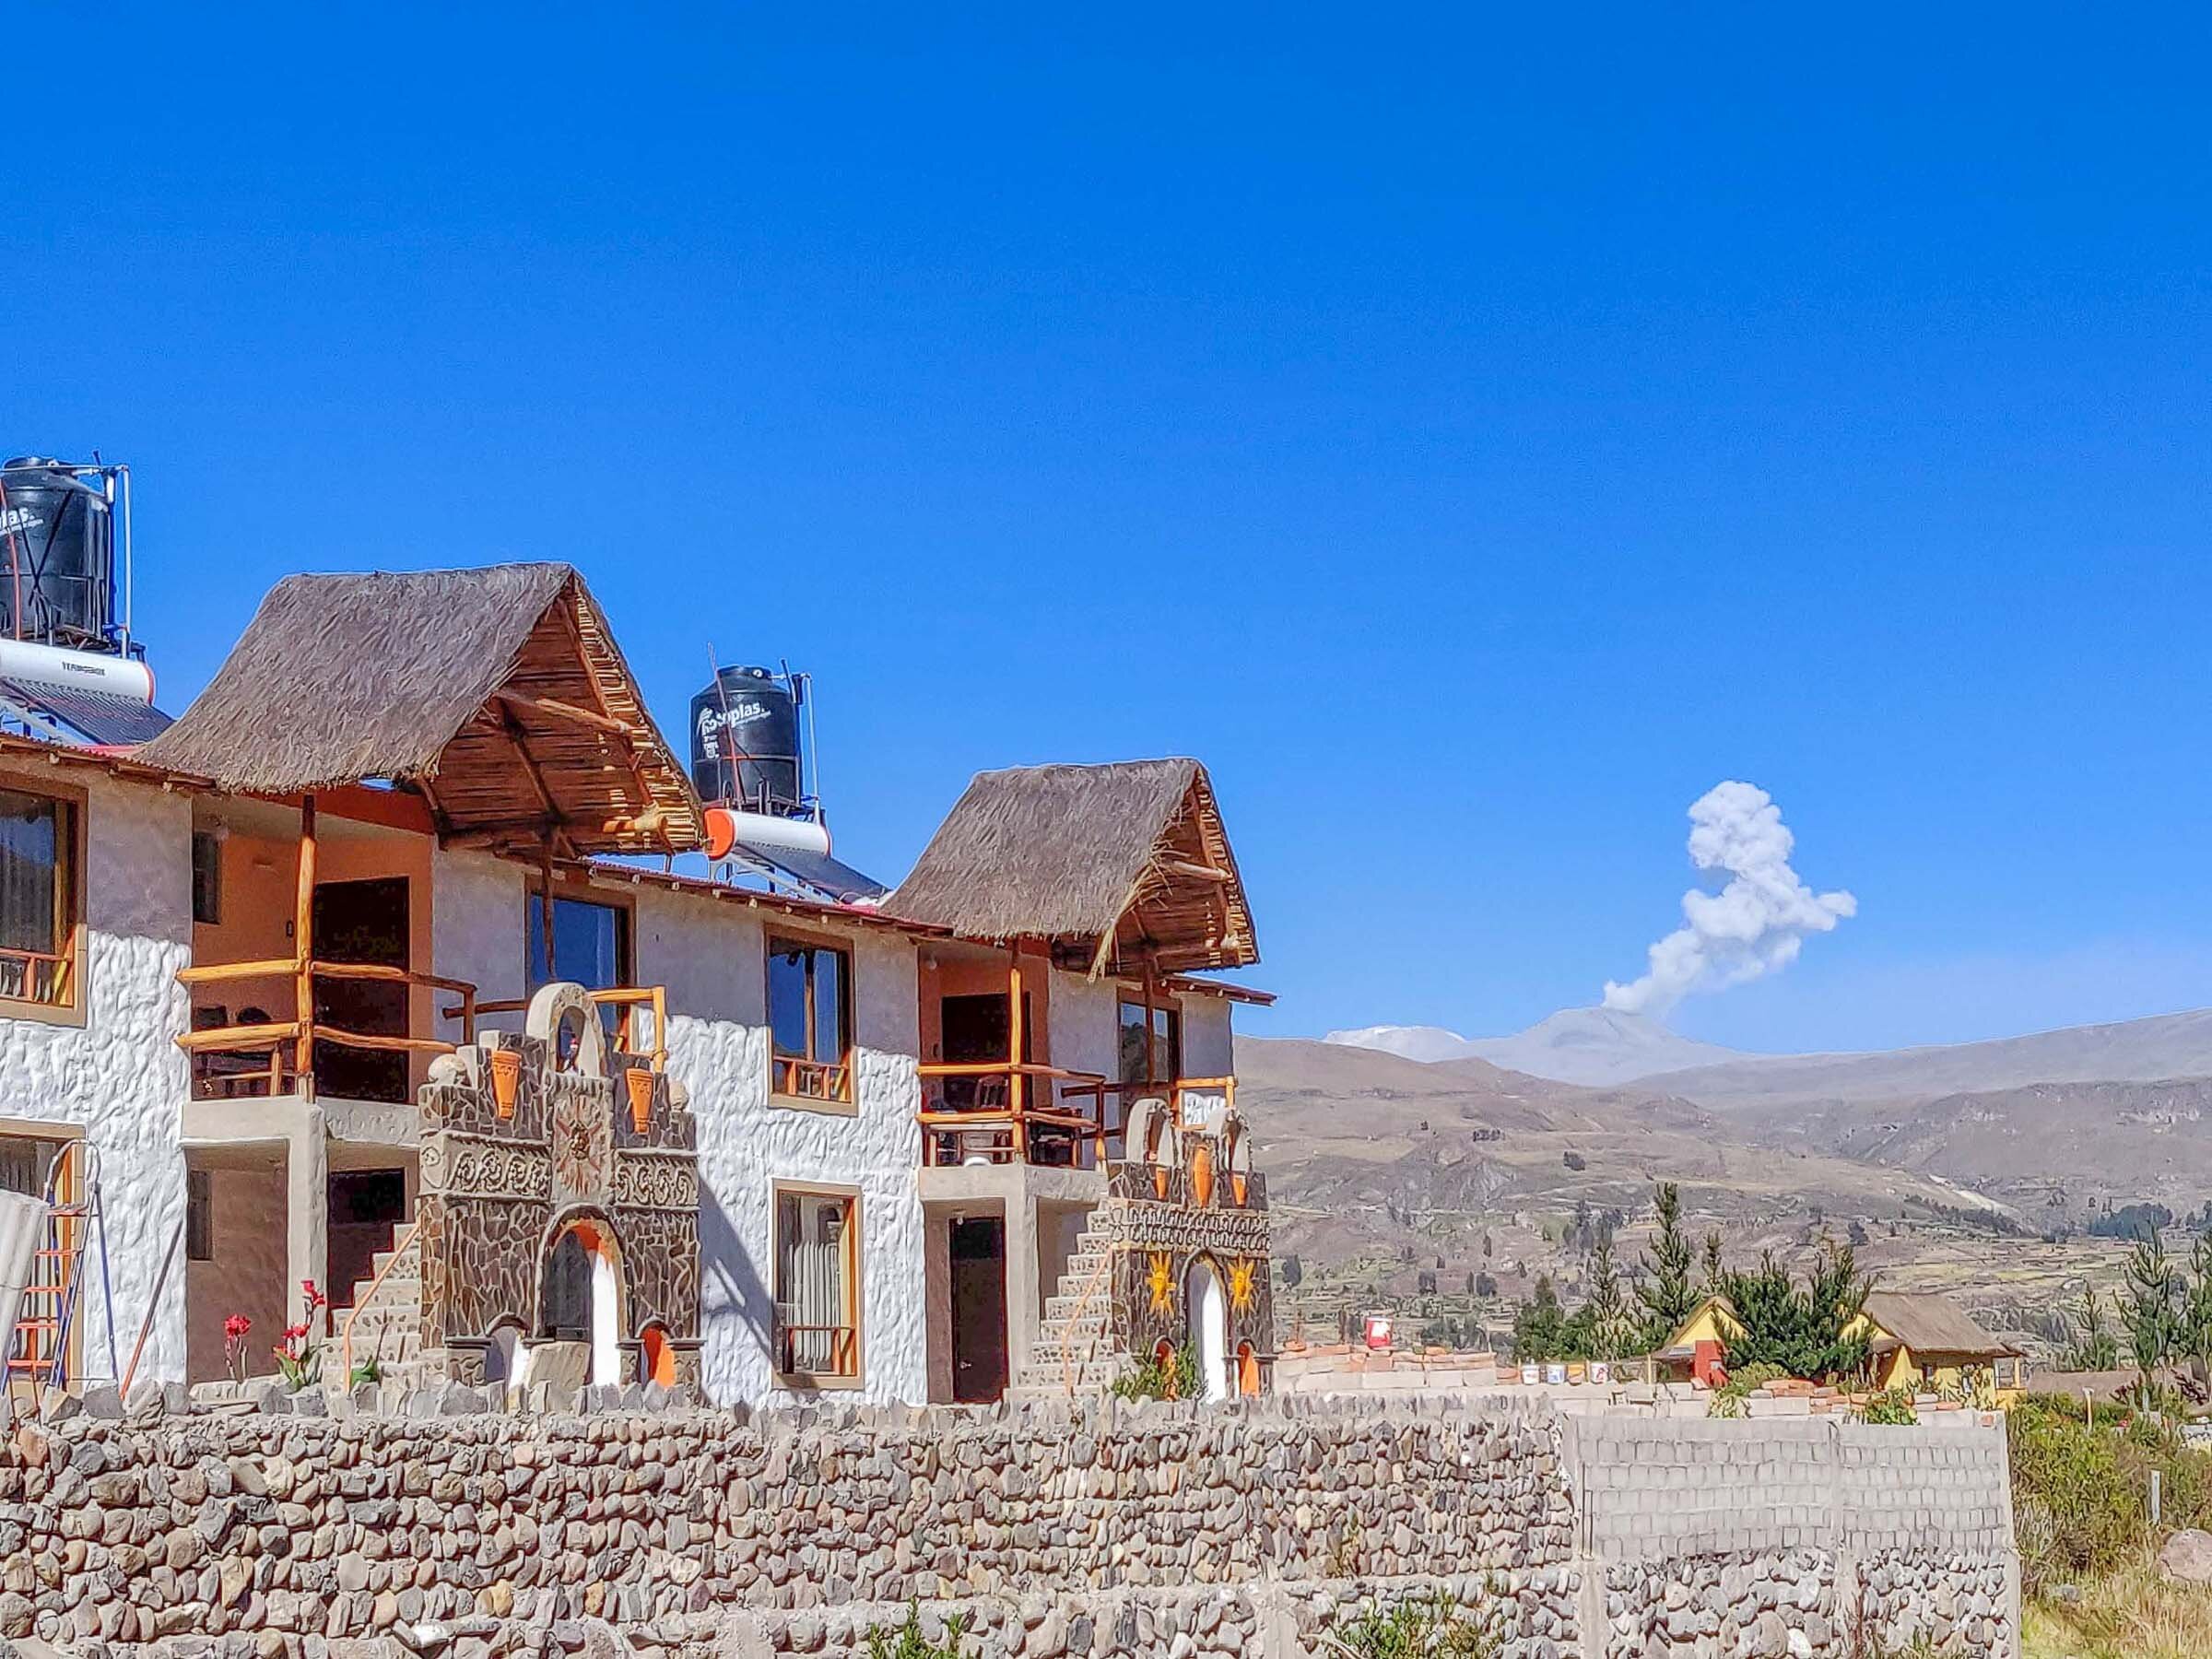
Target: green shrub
{"type": "Point", "coordinates": [1417, 1628]}
{"type": "Point", "coordinates": [2081, 1493]}
{"type": "Point", "coordinates": [1728, 1399]}
{"type": "Point", "coordinates": [1175, 1379]}
{"type": "Point", "coordinates": [909, 1643]}
{"type": "Point", "coordinates": [1892, 1406]}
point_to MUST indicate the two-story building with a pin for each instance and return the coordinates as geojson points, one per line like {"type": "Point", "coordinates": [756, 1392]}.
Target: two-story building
{"type": "Point", "coordinates": [230, 958]}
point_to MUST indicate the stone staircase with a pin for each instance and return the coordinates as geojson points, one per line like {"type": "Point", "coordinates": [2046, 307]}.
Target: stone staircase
{"type": "Point", "coordinates": [389, 1329]}
{"type": "Point", "coordinates": [1076, 1351]}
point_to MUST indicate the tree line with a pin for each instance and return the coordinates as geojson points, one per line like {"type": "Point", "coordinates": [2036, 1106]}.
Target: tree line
{"type": "Point", "coordinates": [1798, 1327]}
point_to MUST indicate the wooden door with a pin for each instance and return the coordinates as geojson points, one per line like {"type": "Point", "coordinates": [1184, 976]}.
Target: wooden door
{"type": "Point", "coordinates": [361, 922]}
{"type": "Point", "coordinates": [978, 1310]}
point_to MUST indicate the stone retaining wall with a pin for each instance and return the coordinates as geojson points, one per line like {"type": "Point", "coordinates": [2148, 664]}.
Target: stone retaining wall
{"type": "Point", "coordinates": [1104, 1529]}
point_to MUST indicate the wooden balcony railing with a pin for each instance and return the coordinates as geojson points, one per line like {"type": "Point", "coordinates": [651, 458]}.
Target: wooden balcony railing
{"type": "Point", "coordinates": [1022, 1113]}
{"type": "Point", "coordinates": [815, 1351]}
{"type": "Point", "coordinates": [252, 1059]}
{"type": "Point", "coordinates": [35, 976]}
{"type": "Point", "coordinates": [804, 1079]}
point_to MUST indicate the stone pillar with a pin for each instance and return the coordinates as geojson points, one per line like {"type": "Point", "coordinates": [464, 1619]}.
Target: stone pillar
{"type": "Point", "coordinates": [307, 1209]}
{"type": "Point", "coordinates": [1025, 1306]}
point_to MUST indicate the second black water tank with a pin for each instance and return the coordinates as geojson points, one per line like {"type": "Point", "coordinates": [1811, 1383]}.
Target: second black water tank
{"type": "Point", "coordinates": [745, 741]}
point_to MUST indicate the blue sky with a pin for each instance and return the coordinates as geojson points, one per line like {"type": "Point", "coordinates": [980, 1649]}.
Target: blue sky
{"type": "Point", "coordinates": [1474, 436]}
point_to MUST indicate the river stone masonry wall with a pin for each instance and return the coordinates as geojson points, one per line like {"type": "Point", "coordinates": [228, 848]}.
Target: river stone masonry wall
{"type": "Point", "coordinates": [1092, 1529]}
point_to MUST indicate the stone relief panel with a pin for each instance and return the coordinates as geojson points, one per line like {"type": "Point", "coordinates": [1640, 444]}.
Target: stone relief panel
{"type": "Point", "coordinates": [521, 1134]}
{"type": "Point", "coordinates": [1183, 1197]}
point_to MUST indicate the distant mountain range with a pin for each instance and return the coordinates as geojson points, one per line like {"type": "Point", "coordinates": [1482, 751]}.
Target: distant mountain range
{"type": "Point", "coordinates": [1596, 1047]}
{"type": "Point", "coordinates": [2053, 1122]}
{"type": "Point", "coordinates": [1600, 1048]}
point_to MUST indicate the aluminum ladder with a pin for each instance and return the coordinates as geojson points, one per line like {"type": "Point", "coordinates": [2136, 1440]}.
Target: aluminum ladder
{"type": "Point", "coordinates": [45, 1323]}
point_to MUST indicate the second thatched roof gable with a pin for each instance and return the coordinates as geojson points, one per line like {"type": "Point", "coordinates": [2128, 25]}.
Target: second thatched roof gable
{"type": "Point", "coordinates": [1933, 1326]}
{"type": "Point", "coordinates": [1132, 854]}
{"type": "Point", "coordinates": [499, 693]}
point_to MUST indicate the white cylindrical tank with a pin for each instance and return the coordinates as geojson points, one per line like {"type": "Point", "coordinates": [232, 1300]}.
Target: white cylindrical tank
{"type": "Point", "coordinates": [50, 667]}
{"type": "Point", "coordinates": [727, 828]}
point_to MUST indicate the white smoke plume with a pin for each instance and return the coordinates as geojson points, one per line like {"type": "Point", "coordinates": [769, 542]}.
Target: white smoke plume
{"type": "Point", "coordinates": [1754, 925]}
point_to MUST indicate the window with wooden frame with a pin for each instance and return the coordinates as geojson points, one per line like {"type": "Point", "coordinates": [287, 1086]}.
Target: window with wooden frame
{"type": "Point", "coordinates": [207, 877]}
{"type": "Point", "coordinates": [42, 855]}
{"type": "Point", "coordinates": [817, 1339]}
{"type": "Point", "coordinates": [1151, 1040]}
{"type": "Point", "coordinates": [810, 1022]}
{"type": "Point", "coordinates": [591, 943]}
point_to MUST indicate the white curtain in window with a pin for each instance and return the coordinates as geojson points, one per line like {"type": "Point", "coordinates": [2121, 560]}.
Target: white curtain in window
{"type": "Point", "coordinates": [810, 1279]}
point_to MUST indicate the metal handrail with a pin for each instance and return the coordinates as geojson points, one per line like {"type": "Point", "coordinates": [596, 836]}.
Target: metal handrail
{"type": "Point", "coordinates": [400, 1247]}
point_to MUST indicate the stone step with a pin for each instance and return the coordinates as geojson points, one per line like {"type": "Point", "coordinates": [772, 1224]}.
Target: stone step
{"type": "Point", "coordinates": [1046, 1351]}
{"type": "Point", "coordinates": [1050, 1383]}
{"type": "Point", "coordinates": [1074, 1307]}
{"type": "Point", "coordinates": [1062, 1333]}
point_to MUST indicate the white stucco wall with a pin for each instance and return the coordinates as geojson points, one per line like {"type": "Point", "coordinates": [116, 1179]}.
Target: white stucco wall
{"type": "Point", "coordinates": [711, 955]}
{"type": "Point", "coordinates": [1085, 1032]}
{"type": "Point", "coordinates": [120, 1077]}
{"type": "Point", "coordinates": [1209, 1047]}
{"type": "Point", "coordinates": [476, 920]}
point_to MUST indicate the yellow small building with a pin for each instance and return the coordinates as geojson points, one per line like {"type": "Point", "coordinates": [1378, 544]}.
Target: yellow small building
{"type": "Point", "coordinates": [1920, 1341]}
{"type": "Point", "coordinates": [1928, 1343]}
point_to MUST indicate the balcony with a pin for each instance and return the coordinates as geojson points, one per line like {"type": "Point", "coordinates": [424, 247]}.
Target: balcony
{"type": "Point", "coordinates": [1046, 1117]}
{"type": "Point", "coordinates": [1020, 1113]}
{"type": "Point", "coordinates": [258, 1056]}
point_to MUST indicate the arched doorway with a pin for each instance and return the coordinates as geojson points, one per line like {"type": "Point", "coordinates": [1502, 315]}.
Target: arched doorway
{"type": "Point", "coordinates": [580, 1295]}
{"type": "Point", "coordinates": [1208, 1306]}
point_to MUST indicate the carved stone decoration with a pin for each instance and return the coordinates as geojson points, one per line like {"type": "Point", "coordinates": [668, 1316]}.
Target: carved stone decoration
{"type": "Point", "coordinates": [497, 1194]}
{"type": "Point", "coordinates": [1162, 1218]}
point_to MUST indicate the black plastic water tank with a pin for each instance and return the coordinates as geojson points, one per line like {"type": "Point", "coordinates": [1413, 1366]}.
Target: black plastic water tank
{"type": "Point", "coordinates": [57, 556]}
{"type": "Point", "coordinates": [745, 741]}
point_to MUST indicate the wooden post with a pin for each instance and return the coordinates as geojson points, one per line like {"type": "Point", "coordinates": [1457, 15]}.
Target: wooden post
{"type": "Point", "coordinates": [1151, 1063]}
{"type": "Point", "coordinates": [545, 920]}
{"type": "Point", "coordinates": [303, 948]}
{"type": "Point", "coordinates": [1016, 1091]}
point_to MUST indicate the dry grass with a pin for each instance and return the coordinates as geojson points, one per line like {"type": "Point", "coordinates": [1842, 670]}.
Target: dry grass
{"type": "Point", "coordinates": [2132, 1613]}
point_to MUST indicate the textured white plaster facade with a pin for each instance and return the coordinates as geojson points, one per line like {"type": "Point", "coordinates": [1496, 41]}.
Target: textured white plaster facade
{"type": "Point", "coordinates": [1086, 1035]}
{"type": "Point", "coordinates": [119, 1077]}
{"type": "Point", "coordinates": [476, 921]}
{"type": "Point", "coordinates": [711, 955]}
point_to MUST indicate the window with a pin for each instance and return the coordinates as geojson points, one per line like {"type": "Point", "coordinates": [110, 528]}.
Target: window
{"type": "Point", "coordinates": [23, 1165]}
{"type": "Point", "coordinates": [1166, 1027]}
{"type": "Point", "coordinates": [818, 1286]}
{"type": "Point", "coordinates": [37, 900]}
{"type": "Point", "coordinates": [810, 1017]}
{"type": "Point", "coordinates": [591, 943]}
{"type": "Point", "coordinates": [199, 1215]}
{"type": "Point", "coordinates": [207, 877]}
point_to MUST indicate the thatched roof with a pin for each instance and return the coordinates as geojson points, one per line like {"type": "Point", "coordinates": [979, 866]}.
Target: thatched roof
{"type": "Point", "coordinates": [1129, 857]}
{"type": "Point", "coordinates": [497, 693]}
{"type": "Point", "coordinates": [1933, 1326]}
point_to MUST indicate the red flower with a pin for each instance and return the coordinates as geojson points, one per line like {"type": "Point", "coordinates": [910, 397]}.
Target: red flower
{"type": "Point", "coordinates": [237, 1325]}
